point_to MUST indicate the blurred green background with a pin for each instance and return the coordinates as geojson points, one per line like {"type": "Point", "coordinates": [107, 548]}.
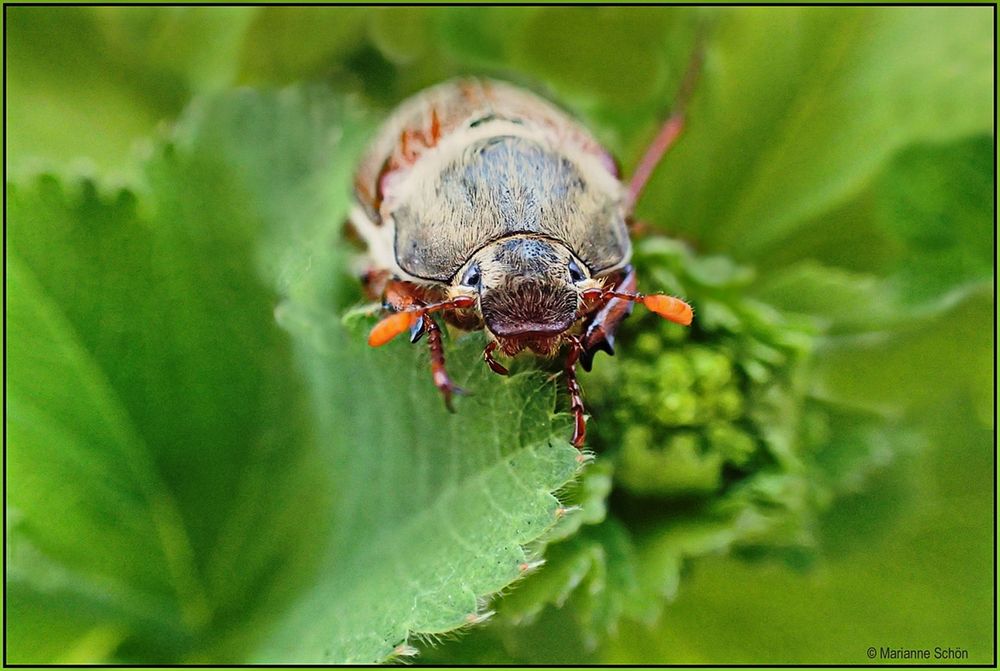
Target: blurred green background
{"type": "Point", "coordinates": [188, 458]}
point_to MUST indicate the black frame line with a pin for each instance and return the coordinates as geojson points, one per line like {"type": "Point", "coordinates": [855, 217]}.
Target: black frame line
{"type": "Point", "coordinates": [512, 4]}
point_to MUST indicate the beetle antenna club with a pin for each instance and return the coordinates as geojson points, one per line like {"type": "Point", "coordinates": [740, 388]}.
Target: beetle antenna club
{"type": "Point", "coordinates": [488, 206]}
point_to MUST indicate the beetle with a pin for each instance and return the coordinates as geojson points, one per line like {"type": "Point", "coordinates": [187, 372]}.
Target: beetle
{"type": "Point", "coordinates": [486, 204]}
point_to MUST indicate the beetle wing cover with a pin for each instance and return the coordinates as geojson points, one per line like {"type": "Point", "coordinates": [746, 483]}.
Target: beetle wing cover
{"type": "Point", "coordinates": [505, 185]}
{"type": "Point", "coordinates": [468, 162]}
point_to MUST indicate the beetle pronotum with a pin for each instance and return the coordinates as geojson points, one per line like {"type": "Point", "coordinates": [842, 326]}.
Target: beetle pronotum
{"type": "Point", "coordinates": [488, 205]}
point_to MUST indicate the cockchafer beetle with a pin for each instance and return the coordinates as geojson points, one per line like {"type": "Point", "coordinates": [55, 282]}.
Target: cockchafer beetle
{"type": "Point", "coordinates": [484, 203]}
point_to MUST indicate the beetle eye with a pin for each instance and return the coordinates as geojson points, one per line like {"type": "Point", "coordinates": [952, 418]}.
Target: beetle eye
{"type": "Point", "coordinates": [472, 278]}
{"type": "Point", "coordinates": [575, 274]}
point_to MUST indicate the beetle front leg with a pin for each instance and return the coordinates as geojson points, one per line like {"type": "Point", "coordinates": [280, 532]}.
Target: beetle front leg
{"type": "Point", "coordinates": [599, 333]}
{"type": "Point", "coordinates": [575, 395]}
{"type": "Point", "coordinates": [441, 379]}
{"type": "Point", "coordinates": [494, 365]}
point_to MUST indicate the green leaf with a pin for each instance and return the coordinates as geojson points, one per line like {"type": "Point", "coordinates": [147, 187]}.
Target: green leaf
{"type": "Point", "coordinates": [598, 51]}
{"type": "Point", "coordinates": [401, 33]}
{"type": "Point", "coordinates": [294, 178]}
{"type": "Point", "coordinates": [613, 588]}
{"type": "Point", "coordinates": [433, 509]}
{"type": "Point", "coordinates": [466, 34]}
{"type": "Point", "coordinates": [566, 566]}
{"type": "Point", "coordinates": [577, 599]}
{"type": "Point", "coordinates": [850, 448]}
{"type": "Point", "coordinates": [66, 99]}
{"type": "Point", "coordinates": [841, 301]}
{"type": "Point", "coordinates": [196, 46]}
{"type": "Point", "coordinates": [56, 623]}
{"type": "Point", "coordinates": [783, 129]}
{"type": "Point", "coordinates": [915, 244]}
{"type": "Point", "coordinates": [285, 44]}
{"type": "Point", "coordinates": [150, 403]}
{"type": "Point", "coordinates": [89, 82]}
{"type": "Point", "coordinates": [585, 499]}
{"type": "Point", "coordinates": [946, 226]}
{"type": "Point", "coordinates": [566, 563]}
{"type": "Point", "coordinates": [908, 369]}
{"type": "Point", "coordinates": [613, 68]}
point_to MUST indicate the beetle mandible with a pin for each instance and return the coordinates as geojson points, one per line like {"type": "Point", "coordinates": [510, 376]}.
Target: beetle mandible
{"type": "Point", "coordinates": [488, 205]}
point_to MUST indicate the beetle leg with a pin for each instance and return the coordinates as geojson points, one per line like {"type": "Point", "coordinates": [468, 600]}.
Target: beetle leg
{"type": "Point", "coordinates": [438, 372]}
{"type": "Point", "coordinates": [491, 362]}
{"type": "Point", "coordinates": [599, 333]}
{"type": "Point", "coordinates": [407, 313]}
{"type": "Point", "coordinates": [671, 128]}
{"type": "Point", "coordinates": [575, 396]}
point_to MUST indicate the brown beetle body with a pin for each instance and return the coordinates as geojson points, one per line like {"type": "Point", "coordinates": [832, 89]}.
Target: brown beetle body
{"type": "Point", "coordinates": [486, 203]}
{"type": "Point", "coordinates": [469, 161]}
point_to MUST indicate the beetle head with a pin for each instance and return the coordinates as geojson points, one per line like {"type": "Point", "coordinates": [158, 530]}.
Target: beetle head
{"type": "Point", "coordinates": [529, 290]}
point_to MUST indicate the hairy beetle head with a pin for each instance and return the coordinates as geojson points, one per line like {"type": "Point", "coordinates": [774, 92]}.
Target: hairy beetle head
{"type": "Point", "coordinates": [529, 289]}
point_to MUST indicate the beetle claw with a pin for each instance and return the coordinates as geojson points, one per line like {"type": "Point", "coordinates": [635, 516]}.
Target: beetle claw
{"type": "Point", "coordinates": [417, 330]}
{"type": "Point", "coordinates": [448, 392]}
{"type": "Point", "coordinates": [587, 356]}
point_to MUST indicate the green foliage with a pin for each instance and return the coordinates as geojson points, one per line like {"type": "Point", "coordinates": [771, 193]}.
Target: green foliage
{"type": "Point", "coordinates": [787, 127]}
{"type": "Point", "coordinates": [895, 249]}
{"type": "Point", "coordinates": [179, 483]}
{"type": "Point", "coordinates": [149, 405]}
{"type": "Point", "coordinates": [427, 520]}
{"type": "Point", "coordinates": [207, 464]}
{"type": "Point", "coordinates": [703, 399]}
{"type": "Point", "coordinates": [909, 558]}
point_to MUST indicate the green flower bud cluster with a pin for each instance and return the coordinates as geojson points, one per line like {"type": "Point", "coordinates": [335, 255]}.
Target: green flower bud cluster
{"type": "Point", "coordinates": [690, 411]}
